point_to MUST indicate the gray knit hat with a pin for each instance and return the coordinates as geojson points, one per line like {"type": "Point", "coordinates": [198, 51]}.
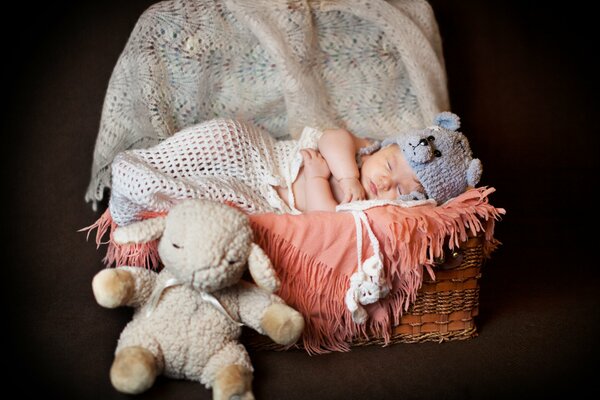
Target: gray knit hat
{"type": "Point", "coordinates": [441, 157]}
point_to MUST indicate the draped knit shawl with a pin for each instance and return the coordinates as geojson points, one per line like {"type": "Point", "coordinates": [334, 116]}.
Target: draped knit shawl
{"type": "Point", "coordinates": [373, 67]}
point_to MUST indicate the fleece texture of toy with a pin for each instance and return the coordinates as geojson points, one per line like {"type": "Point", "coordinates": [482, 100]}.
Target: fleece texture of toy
{"type": "Point", "coordinates": [441, 157]}
{"type": "Point", "coordinates": [188, 317]}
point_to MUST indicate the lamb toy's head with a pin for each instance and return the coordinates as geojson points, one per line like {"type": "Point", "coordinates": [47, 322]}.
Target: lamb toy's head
{"type": "Point", "coordinates": [441, 157]}
{"type": "Point", "coordinates": [205, 244]}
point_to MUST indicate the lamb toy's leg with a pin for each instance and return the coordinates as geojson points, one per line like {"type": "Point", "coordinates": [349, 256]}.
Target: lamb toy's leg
{"type": "Point", "coordinates": [135, 366]}
{"type": "Point", "coordinates": [229, 372]}
{"type": "Point", "coordinates": [138, 358]}
{"type": "Point", "coordinates": [282, 324]}
{"type": "Point", "coordinates": [268, 314]}
{"type": "Point", "coordinates": [134, 370]}
{"type": "Point", "coordinates": [233, 381]}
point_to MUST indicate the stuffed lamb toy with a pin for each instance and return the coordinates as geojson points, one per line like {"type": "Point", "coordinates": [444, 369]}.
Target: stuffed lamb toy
{"type": "Point", "coordinates": [188, 317]}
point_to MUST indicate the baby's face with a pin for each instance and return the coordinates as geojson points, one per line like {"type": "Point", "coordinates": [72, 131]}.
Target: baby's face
{"type": "Point", "coordinates": [386, 175]}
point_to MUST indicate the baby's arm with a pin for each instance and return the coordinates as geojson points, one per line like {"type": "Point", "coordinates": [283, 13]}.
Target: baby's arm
{"type": "Point", "coordinates": [339, 147]}
{"type": "Point", "coordinates": [317, 192]}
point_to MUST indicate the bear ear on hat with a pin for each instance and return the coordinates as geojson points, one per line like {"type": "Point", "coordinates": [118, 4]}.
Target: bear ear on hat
{"type": "Point", "coordinates": [474, 172]}
{"type": "Point", "coordinates": [447, 120]}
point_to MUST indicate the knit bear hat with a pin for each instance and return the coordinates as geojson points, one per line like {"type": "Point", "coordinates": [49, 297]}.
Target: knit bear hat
{"type": "Point", "coordinates": [441, 157]}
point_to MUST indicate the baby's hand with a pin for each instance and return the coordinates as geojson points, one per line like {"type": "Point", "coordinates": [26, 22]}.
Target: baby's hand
{"type": "Point", "coordinates": [315, 165]}
{"type": "Point", "coordinates": [352, 189]}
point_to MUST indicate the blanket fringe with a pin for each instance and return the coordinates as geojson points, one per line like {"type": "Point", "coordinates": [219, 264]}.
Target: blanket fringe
{"type": "Point", "coordinates": [140, 255]}
{"type": "Point", "coordinates": [327, 328]}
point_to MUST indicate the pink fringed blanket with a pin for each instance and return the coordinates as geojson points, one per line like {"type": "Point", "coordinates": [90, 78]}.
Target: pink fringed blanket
{"type": "Point", "coordinates": [315, 255]}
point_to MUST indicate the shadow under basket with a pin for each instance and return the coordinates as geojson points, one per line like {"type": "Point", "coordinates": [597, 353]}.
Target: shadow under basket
{"type": "Point", "coordinates": [444, 309]}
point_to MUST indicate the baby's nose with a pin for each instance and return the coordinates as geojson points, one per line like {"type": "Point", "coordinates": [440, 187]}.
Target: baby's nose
{"type": "Point", "coordinates": [384, 183]}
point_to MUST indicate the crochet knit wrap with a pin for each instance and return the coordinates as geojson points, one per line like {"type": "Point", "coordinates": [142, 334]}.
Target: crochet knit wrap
{"type": "Point", "coordinates": [373, 67]}
{"type": "Point", "coordinates": [221, 160]}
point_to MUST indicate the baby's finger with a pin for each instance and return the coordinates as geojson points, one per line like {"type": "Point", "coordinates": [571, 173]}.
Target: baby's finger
{"type": "Point", "coordinates": [358, 196]}
{"type": "Point", "coordinates": [305, 154]}
{"type": "Point", "coordinates": [347, 198]}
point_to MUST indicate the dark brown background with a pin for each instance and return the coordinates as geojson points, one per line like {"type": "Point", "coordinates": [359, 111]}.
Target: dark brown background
{"type": "Point", "coordinates": [522, 78]}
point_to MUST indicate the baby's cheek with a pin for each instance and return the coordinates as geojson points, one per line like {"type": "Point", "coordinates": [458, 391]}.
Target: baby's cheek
{"type": "Point", "coordinates": [391, 194]}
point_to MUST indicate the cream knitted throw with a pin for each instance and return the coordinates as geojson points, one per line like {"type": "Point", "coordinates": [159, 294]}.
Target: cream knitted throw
{"type": "Point", "coordinates": [374, 67]}
{"type": "Point", "coordinates": [221, 160]}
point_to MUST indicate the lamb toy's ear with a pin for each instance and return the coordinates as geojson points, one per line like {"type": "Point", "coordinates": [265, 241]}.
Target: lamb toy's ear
{"type": "Point", "coordinates": [262, 270]}
{"type": "Point", "coordinates": [474, 172]}
{"type": "Point", "coordinates": [140, 232]}
{"type": "Point", "coordinates": [447, 120]}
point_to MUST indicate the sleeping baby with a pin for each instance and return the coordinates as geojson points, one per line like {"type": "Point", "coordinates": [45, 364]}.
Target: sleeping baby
{"type": "Point", "coordinates": [231, 161]}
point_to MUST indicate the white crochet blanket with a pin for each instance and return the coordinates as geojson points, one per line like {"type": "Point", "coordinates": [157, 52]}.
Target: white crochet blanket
{"type": "Point", "coordinates": [372, 66]}
{"type": "Point", "coordinates": [221, 160]}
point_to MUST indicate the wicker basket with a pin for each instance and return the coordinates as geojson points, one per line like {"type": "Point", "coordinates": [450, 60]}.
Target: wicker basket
{"type": "Point", "coordinates": [443, 310]}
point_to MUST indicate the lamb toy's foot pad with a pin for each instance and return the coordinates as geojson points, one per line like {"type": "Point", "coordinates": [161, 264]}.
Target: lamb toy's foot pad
{"type": "Point", "coordinates": [282, 324]}
{"type": "Point", "coordinates": [134, 370]}
{"type": "Point", "coordinates": [112, 287]}
{"type": "Point", "coordinates": [233, 382]}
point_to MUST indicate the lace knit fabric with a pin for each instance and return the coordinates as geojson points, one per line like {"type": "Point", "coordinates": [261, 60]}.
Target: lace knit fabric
{"type": "Point", "coordinates": [221, 160]}
{"type": "Point", "coordinates": [373, 67]}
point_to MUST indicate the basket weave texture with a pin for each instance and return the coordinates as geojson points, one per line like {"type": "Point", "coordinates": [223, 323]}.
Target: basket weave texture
{"type": "Point", "coordinates": [445, 307]}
